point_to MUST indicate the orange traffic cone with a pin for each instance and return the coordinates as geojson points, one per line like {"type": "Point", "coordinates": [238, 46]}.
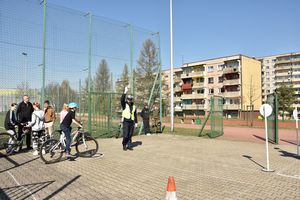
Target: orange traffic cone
{"type": "Point", "coordinates": [171, 189]}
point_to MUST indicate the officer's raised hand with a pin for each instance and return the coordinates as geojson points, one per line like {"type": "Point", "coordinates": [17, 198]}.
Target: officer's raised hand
{"type": "Point", "coordinates": [126, 90]}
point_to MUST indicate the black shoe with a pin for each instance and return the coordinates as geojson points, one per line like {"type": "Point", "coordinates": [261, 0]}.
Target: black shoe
{"type": "Point", "coordinates": [29, 148]}
{"type": "Point", "coordinates": [130, 148]}
{"type": "Point", "coordinates": [124, 148]}
{"type": "Point", "coordinates": [70, 156]}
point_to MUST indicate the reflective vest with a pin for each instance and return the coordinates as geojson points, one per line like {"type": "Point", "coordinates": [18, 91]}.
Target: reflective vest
{"type": "Point", "coordinates": [126, 112]}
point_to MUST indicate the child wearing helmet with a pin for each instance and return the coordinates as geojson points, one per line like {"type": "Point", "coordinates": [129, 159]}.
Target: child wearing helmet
{"type": "Point", "coordinates": [65, 126]}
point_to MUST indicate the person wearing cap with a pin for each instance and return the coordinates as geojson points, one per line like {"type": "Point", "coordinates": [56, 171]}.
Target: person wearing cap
{"type": "Point", "coordinates": [49, 118]}
{"type": "Point", "coordinates": [65, 126]}
{"type": "Point", "coordinates": [145, 115]}
{"type": "Point", "coordinates": [129, 119]}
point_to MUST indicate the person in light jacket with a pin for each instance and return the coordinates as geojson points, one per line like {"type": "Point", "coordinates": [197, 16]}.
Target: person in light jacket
{"type": "Point", "coordinates": [37, 125]}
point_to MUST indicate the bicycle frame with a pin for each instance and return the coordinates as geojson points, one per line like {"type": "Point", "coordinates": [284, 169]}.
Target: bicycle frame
{"type": "Point", "coordinates": [76, 133]}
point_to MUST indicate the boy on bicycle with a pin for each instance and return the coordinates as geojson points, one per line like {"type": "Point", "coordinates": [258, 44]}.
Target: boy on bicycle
{"type": "Point", "coordinates": [65, 126]}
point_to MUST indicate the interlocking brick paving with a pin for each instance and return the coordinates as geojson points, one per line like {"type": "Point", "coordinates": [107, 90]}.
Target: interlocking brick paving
{"type": "Point", "coordinates": [202, 168]}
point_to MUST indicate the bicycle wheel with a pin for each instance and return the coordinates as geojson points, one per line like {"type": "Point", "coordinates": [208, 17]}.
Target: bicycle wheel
{"type": "Point", "coordinates": [8, 144]}
{"type": "Point", "coordinates": [51, 151]}
{"type": "Point", "coordinates": [86, 146]}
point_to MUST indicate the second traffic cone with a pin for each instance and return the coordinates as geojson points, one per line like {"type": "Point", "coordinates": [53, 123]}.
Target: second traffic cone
{"type": "Point", "coordinates": [171, 189]}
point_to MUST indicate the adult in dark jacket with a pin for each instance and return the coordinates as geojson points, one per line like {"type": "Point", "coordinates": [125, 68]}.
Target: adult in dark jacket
{"type": "Point", "coordinates": [129, 117]}
{"type": "Point", "coordinates": [10, 119]}
{"type": "Point", "coordinates": [24, 112]}
{"type": "Point", "coordinates": [145, 114]}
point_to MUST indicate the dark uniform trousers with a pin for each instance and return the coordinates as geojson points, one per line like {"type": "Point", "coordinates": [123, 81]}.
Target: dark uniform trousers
{"type": "Point", "coordinates": [128, 128]}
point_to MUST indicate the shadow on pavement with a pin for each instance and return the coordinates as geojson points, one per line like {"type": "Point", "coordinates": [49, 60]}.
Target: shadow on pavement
{"type": "Point", "coordinates": [19, 192]}
{"type": "Point", "coordinates": [263, 139]}
{"type": "Point", "coordinates": [288, 154]}
{"type": "Point", "coordinates": [62, 187]}
{"type": "Point", "coordinates": [15, 163]}
{"type": "Point", "coordinates": [287, 141]}
{"type": "Point", "coordinates": [250, 158]}
{"type": "Point", "coordinates": [136, 143]}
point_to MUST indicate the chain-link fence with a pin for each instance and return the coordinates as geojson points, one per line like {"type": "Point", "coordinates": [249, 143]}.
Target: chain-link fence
{"type": "Point", "coordinates": [55, 53]}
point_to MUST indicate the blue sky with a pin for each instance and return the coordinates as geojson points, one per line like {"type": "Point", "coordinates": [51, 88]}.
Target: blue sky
{"type": "Point", "coordinates": [205, 29]}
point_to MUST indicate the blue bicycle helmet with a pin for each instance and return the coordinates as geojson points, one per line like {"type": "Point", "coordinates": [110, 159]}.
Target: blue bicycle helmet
{"type": "Point", "coordinates": [73, 105]}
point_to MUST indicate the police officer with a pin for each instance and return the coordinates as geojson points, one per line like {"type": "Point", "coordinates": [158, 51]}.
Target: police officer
{"type": "Point", "coordinates": [145, 114]}
{"type": "Point", "coordinates": [129, 119]}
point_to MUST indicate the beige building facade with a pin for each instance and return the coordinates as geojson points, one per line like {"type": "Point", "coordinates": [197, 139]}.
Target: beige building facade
{"type": "Point", "coordinates": [235, 78]}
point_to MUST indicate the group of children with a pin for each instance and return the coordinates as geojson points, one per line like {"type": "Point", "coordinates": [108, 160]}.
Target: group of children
{"type": "Point", "coordinates": [41, 122]}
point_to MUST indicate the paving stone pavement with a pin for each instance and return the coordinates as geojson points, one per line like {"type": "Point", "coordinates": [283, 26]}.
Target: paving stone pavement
{"type": "Point", "coordinates": [202, 168]}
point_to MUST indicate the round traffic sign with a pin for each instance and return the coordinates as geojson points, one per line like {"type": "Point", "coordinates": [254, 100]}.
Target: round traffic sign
{"type": "Point", "coordinates": [295, 113]}
{"type": "Point", "coordinates": [265, 110]}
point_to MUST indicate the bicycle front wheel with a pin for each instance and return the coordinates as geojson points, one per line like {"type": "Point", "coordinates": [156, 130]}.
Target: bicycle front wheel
{"type": "Point", "coordinates": [51, 151]}
{"type": "Point", "coordinates": [86, 146]}
{"type": "Point", "coordinates": [8, 144]}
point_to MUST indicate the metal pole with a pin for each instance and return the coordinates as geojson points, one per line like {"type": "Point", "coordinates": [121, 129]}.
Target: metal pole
{"type": "Point", "coordinates": [267, 142]}
{"type": "Point", "coordinates": [160, 82]}
{"type": "Point", "coordinates": [297, 128]}
{"type": "Point", "coordinates": [171, 62]}
{"type": "Point", "coordinates": [89, 75]}
{"type": "Point", "coordinates": [131, 60]}
{"type": "Point", "coordinates": [44, 54]}
{"type": "Point", "coordinates": [80, 106]}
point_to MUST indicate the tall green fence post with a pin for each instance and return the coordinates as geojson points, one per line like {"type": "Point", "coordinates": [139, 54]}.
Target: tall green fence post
{"type": "Point", "coordinates": [160, 82]}
{"type": "Point", "coordinates": [89, 75]}
{"type": "Point", "coordinates": [44, 55]}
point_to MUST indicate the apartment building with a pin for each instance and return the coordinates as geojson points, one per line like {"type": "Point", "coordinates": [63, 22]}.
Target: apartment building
{"type": "Point", "coordinates": [235, 78]}
{"type": "Point", "coordinates": [279, 69]}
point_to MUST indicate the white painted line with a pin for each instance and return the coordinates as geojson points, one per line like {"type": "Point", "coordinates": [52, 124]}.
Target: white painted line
{"type": "Point", "coordinates": [21, 185]}
{"type": "Point", "coordinates": [289, 176]}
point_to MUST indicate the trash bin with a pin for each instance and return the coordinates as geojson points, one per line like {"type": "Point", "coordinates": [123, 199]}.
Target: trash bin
{"type": "Point", "coordinates": [198, 121]}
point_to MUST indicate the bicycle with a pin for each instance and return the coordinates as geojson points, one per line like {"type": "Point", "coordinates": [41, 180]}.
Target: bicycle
{"type": "Point", "coordinates": [52, 150]}
{"type": "Point", "coordinates": [9, 143]}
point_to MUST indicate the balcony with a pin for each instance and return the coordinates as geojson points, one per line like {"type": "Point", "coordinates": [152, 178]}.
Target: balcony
{"type": "Point", "coordinates": [196, 74]}
{"type": "Point", "coordinates": [192, 74]}
{"type": "Point", "coordinates": [232, 82]}
{"type": "Point", "coordinates": [232, 107]}
{"type": "Point", "coordinates": [230, 70]}
{"type": "Point", "coordinates": [198, 85]}
{"type": "Point", "coordinates": [232, 94]}
{"type": "Point", "coordinates": [177, 89]}
{"type": "Point", "coordinates": [192, 96]}
{"type": "Point", "coordinates": [177, 79]}
{"type": "Point", "coordinates": [177, 99]}
{"type": "Point", "coordinates": [186, 86]}
{"type": "Point", "coordinates": [287, 60]}
{"type": "Point", "coordinates": [177, 109]}
{"type": "Point", "coordinates": [193, 107]}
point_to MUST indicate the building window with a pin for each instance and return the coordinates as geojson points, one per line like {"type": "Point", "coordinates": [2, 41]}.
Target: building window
{"type": "Point", "coordinates": [266, 61]}
{"type": "Point", "coordinates": [211, 91]}
{"type": "Point", "coordinates": [210, 69]}
{"type": "Point", "coordinates": [221, 79]}
{"type": "Point", "coordinates": [268, 79]}
{"type": "Point", "coordinates": [267, 73]}
{"type": "Point", "coordinates": [210, 80]}
{"type": "Point", "coordinates": [267, 67]}
{"type": "Point", "coordinates": [200, 91]}
{"type": "Point", "coordinates": [220, 67]}
{"type": "Point", "coordinates": [221, 90]}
